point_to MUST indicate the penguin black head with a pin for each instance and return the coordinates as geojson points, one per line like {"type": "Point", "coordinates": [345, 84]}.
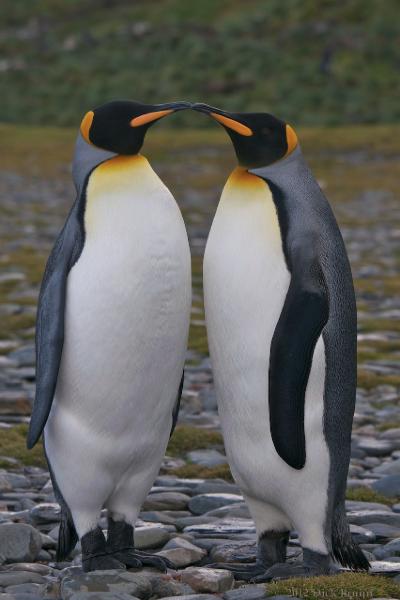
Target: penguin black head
{"type": "Point", "coordinates": [120, 126]}
{"type": "Point", "coordinates": [259, 139]}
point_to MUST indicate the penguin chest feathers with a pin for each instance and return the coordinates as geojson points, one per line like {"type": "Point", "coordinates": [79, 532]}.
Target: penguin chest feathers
{"type": "Point", "coordinates": [246, 277]}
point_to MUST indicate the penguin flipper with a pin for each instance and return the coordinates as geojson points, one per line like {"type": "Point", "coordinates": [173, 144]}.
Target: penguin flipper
{"type": "Point", "coordinates": [50, 319]}
{"type": "Point", "coordinates": [304, 315]}
{"type": "Point", "coordinates": [175, 412]}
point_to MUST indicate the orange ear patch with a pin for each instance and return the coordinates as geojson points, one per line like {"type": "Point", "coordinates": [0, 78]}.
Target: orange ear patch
{"type": "Point", "coordinates": [232, 124]}
{"type": "Point", "coordinates": [291, 139]}
{"type": "Point", "coordinates": [86, 125]}
{"type": "Point", "coordinates": [149, 117]}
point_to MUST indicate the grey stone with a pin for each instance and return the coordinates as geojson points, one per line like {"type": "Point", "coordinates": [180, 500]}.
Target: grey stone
{"type": "Point", "coordinates": [354, 505]}
{"type": "Point", "coordinates": [30, 567]}
{"type": "Point", "coordinates": [391, 434]}
{"type": "Point", "coordinates": [19, 542]}
{"type": "Point", "coordinates": [374, 447]}
{"type": "Point", "coordinates": [5, 485]}
{"type": "Point", "coordinates": [361, 535]}
{"type": "Point", "coordinates": [157, 516]}
{"type": "Point", "coordinates": [192, 597]}
{"type": "Point", "coordinates": [207, 580]}
{"type": "Point", "coordinates": [134, 584]}
{"type": "Point", "coordinates": [203, 503]}
{"type": "Point", "coordinates": [246, 592]}
{"type": "Point", "coordinates": [223, 527]}
{"type": "Point", "coordinates": [45, 512]}
{"type": "Point", "coordinates": [26, 588]}
{"type": "Point", "coordinates": [392, 548]}
{"type": "Point", "coordinates": [150, 536]}
{"type": "Point", "coordinates": [16, 480]}
{"type": "Point", "coordinates": [383, 531]}
{"type": "Point", "coordinates": [198, 520]}
{"type": "Point", "coordinates": [396, 507]}
{"type": "Point", "coordinates": [239, 510]}
{"type": "Point", "coordinates": [24, 356]}
{"type": "Point", "coordinates": [101, 596]}
{"type": "Point", "coordinates": [391, 467]}
{"type": "Point", "coordinates": [280, 597]}
{"type": "Point", "coordinates": [234, 551]}
{"type": "Point", "coordinates": [216, 487]}
{"type": "Point", "coordinates": [206, 458]}
{"type": "Point", "coordinates": [166, 586]}
{"type": "Point", "coordinates": [384, 567]}
{"type": "Point", "coordinates": [363, 517]}
{"type": "Point", "coordinates": [166, 501]}
{"type": "Point", "coordinates": [388, 486]}
{"type": "Point", "coordinates": [182, 557]}
{"type": "Point", "coordinates": [15, 402]}
{"type": "Point", "coordinates": [19, 577]}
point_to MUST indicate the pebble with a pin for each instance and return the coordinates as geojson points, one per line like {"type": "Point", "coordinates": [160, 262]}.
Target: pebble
{"type": "Point", "coordinates": [206, 458]}
{"type": "Point", "coordinates": [166, 501]}
{"type": "Point", "coordinates": [364, 517]}
{"type": "Point", "coordinates": [19, 542]}
{"type": "Point", "coordinates": [207, 580]}
{"type": "Point", "coordinates": [383, 531]}
{"type": "Point", "coordinates": [374, 447]}
{"type": "Point", "coordinates": [150, 536]}
{"type": "Point", "coordinates": [388, 486]}
{"type": "Point", "coordinates": [203, 503]}
{"type": "Point", "coordinates": [49, 512]}
{"type": "Point", "coordinates": [75, 580]}
{"type": "Point", "coordinates": [246, 592]}
{"type": "Point", "coordinates": [102, 596]}
{"type": "Point", "coordinates": [182, 557]}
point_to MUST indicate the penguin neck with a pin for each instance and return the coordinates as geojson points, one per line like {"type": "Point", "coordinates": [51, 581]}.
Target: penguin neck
{"type": "Point", "coordinates": [241, 179]}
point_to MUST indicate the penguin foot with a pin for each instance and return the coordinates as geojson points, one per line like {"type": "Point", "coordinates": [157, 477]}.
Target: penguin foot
{"type": "Point", "coordinates": [94, 553]}
{"type": "Point", "coordinates": [101, 563]}
{"type": "Point", "coordinates": [243, 572]}
{"type": "Point", "coordinates": [134, 559]}
{"type": "Point", "coordinates": [313, 564]}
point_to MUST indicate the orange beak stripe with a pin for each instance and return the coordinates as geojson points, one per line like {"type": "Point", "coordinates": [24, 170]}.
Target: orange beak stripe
{"type": "Point", "coordinates": [149, 117]}
{"type": "Point", "coordinates": [291, 139]}
{"type": "Point", "coordinates": [232, 124]}
{"type": "Point", "coordinates": [86, 125]}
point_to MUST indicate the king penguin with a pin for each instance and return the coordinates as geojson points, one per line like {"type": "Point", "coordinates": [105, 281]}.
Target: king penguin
{"type": "Point", "coordinates": [111, 337]}
{"type": "Point", "coordinates": [281, 324]}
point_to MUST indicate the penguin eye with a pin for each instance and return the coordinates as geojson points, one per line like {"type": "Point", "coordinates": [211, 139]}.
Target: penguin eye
{"type": "Point", "coordinates": [266, 131]}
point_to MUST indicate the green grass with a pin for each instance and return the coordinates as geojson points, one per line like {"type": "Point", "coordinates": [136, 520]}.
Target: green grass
{"type": "Point", "coordinates": [364, 494]}
{"type": "Point", "coordinates": [369, 380]}
{"type": "Point", "coordinates": [192, 471]}
{"type": "Point", "coordinates": [337, 587]}
{"type": "Point", "coordinates": [13, 443]}
{"type": "Point", "coordinates": [309, 62]}
{"type": "Point", "coordinates": [186, 438]}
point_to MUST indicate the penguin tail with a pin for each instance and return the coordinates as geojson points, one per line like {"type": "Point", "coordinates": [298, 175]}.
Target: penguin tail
{"type": "Point", "coordinates": [67, 536]}
{"type": "Point", "coordinates": [344, 549]}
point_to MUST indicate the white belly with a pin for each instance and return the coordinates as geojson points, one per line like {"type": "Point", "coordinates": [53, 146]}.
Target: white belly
{"type": "Point", "coordinates": [245, 285]}
{"type": "Point", "coordinates": [126, 326]}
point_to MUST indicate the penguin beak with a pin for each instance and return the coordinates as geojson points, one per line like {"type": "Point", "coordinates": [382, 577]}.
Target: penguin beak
{"type": "Point", "coordinates": [228, 120]}
{"type": "Point", "coordinates": [158, 111]}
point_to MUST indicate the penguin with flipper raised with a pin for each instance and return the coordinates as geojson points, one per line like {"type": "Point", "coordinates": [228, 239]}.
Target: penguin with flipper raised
{"type": "Point", "coordinates": [281, 325]}
{"type": "Point", "coordinates": [111, 336]}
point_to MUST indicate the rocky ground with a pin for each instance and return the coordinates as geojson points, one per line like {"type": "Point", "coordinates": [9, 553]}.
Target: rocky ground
{"type": "Point", "coordinates": [194, 514]}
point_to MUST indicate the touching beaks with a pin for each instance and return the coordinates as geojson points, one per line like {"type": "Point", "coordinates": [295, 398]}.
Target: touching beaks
{"type": "Point", "coordinates": [226, 119]}
{"type": "Point", "coordinates": [160, 111]}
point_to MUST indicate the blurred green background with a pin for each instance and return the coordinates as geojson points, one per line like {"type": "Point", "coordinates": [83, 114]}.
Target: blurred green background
{"type": "Point", "coordinates": [311, 62]}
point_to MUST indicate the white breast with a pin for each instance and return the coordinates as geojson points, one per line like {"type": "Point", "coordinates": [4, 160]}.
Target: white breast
{"type": "Point", "coordinates": [127, 317]}
{"type": "Point", "coordinates": [245, 284]}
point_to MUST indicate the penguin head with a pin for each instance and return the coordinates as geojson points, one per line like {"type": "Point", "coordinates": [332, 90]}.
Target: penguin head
{"type": "Point", "coordinates": [120, 126]}
{"type": "Point", "coordinates": [259, 139]}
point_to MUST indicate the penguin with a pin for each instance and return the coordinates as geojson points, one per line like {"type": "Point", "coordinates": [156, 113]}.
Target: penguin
{"type": "Point", "coordinates": [111, 336]}
{"type": "Point", "coordinates": [281, 325]}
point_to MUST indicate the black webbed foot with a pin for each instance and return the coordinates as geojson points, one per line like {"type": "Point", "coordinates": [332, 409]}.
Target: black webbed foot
{"type": "Point", "coordinates": [313, 564]}
{"type": "Point", "coordinates": [95, 556]}
{"type": "Point", "coordinates": [120, 545]}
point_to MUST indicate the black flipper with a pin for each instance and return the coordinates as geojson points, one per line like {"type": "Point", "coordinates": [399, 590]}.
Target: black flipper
{"type": "Point", "coordinates": [175, 412]}
{"type": "Point", "coordinates": [50, 316]}
{"type": "Point", "coordinates": [304, 315]}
